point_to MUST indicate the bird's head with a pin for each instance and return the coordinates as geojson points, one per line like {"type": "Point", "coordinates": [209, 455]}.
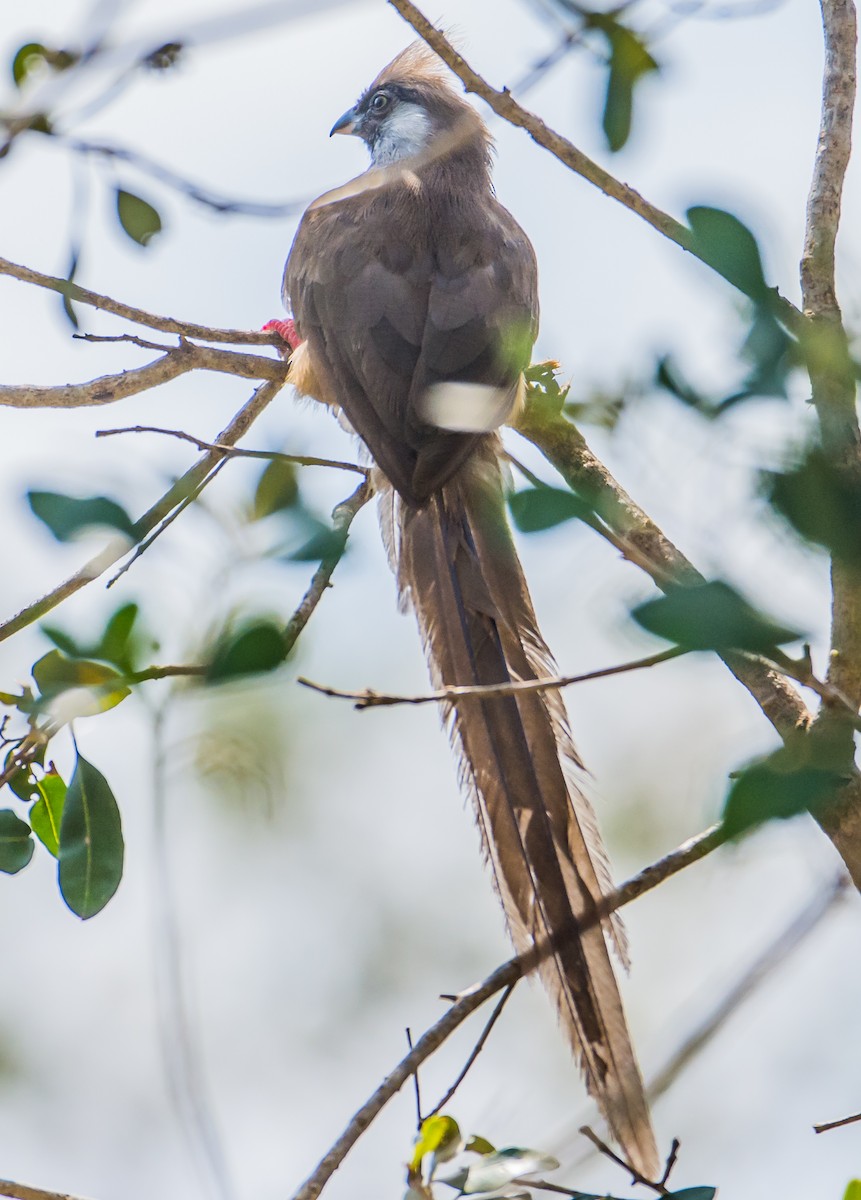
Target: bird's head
{"type": "Point", "coordinates": [410, 106]}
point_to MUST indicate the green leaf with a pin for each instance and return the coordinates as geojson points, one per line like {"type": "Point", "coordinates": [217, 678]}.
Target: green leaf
{"type": "Point", "coordinates": [822, 502]}
{"type": "Point", "coordinates": [277, 489]}
{"type": "Point", "coordinates": [67, 516]}
{"type": "Point", "coordinates": [255, 648]}
{"type": "Point", "coordinates": [66, 292]}
{"type": "Point", "coordinates": [22, 784]}
{"type": "Point", "coordinates": [693, 1193]}
{"type": "Point", "coordinates": [46, 814]}
{"type": "Point", "coordinates": [91, 842]}
{"type": "Point", "coordinates": [324, 543]}
{"type": "Point", "coordinates": [118, 643]}
{"type": "Point", "coordinates": [63, 641]}
{"type": "Point", "coordinates": [30, 56]}
{"type": "Point", "coordinates": [777, 788]}
{"type": "Point", "coordinates": [722, 241]}
{"type": "Point", "coordinates": [543, 507]}
{"type": "Point", "coordinates": [55, 674]}
{"type": "Point", "coordinates": [853, 1190]}
{"type": "Point", "coordinates": [439, 1136]}
{"type": "Point", "coordinates": [138, 218]}
{"type": "Point", "coordinates": [629, 62]}
{"type": "Point", "coordinates": [711, 616]}
{"type": "Point", "coordinates": [16, 843]}
{"type": "Point", "coordinates": [479, 1145]}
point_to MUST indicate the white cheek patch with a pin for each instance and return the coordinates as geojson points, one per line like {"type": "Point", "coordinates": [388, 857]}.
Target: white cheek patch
{"type": "Point", "coordinates": [408, 131]}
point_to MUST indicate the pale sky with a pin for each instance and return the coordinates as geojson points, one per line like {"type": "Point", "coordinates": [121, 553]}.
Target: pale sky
{"type": "Point", "coordinates": [325, 899]}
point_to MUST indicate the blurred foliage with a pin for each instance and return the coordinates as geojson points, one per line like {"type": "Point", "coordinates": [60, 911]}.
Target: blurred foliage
{"type": "Point", "coordinates": [256, 646]}
{"type": "Point", "coordinates": [629, 62]}
{"type": "Point", "coordinates": [137, 217]}
{"type": "Point", "coordinates": [802, 775]}
{"type": "Point", "coordinates": [69, 516]}
{"type": "Point", "coordinates": [821, 501]}
{"type": "Point", "coordinates": [538, 508]}
{"type": "Point", "coordinates": [712, 616]}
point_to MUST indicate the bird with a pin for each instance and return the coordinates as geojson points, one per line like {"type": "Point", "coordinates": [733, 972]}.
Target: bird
{"type": "Point", "coordinates": [414, 302]}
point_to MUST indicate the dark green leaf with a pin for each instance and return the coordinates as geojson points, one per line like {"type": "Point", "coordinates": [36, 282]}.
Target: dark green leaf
{"type": "Point", "coordinates": [91, 842]}
{"type": "Point", "coordinates": [63, 641]}
{"type": "Point", "coordinates": [55, 674]}
{"type": "Point", "coordinates": [66, 293]}
{"type": "Point", "coordinates": [771, 351]}
{"type": "Point", "coordinates": [46, 814]}
{"type": "Point", "coordinates": [66, 516]}
{"type": "Point", "coordinates": [22, 784]}
{"type": "Point", "coordinates": [277, 489]}
{"type": "Point", "coordinates": [821, 502]}
{"type": "Point", "coordinates": [781, 786]}
{"type": "Point", "coordinates": [138, 218]}
{"type": "Point", "coordinates": [27, 58]}
{"type": "Point", "coordinates": [118, 643]}
{"type": "Point", "coordinates": [324, 543]}
{"type": "Point", "coordinates": [722, 241]}
{"type": "Point", "coordinates": [669, 377]}
{"type": "Point", "coordinates": [16, 843]}
{"type": "Point", "coordinates": [629, 61]}
{"type": "Point", "coordinates": [256, 648]}
{"type": "Point", "coordinates": [711, 616]}
{"type": "Point", "coordinates": [542, 508]}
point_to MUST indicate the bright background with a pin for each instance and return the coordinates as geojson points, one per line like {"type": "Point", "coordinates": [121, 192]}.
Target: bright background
{"type": "Point", "coordinates": [325, 882]}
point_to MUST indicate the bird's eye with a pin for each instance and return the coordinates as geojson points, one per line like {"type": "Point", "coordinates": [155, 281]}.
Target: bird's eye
{"type": "Point", "coordinates": [379, 102]}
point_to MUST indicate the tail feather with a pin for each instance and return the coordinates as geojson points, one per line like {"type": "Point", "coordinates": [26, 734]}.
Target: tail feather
{"type": "Point", "coordinates": [458, 569]}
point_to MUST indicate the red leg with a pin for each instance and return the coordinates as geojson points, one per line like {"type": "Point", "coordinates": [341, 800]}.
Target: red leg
{"type": "Point", "coordinates": [286, 329]}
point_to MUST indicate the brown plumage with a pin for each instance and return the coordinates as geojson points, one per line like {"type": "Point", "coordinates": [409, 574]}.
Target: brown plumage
{"type": "Point", "coordinates": [404, 285]}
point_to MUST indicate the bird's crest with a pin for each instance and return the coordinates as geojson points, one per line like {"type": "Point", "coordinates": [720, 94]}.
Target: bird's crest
{"type": "Point", "coordinates": [415, 65]}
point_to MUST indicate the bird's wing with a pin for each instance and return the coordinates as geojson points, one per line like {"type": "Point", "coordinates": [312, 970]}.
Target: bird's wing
{"type": "Point", "coordinates": [394, 297]}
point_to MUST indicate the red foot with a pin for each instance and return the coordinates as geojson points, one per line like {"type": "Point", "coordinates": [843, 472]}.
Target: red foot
{"type": "Point", "coordinates": [286, 330]}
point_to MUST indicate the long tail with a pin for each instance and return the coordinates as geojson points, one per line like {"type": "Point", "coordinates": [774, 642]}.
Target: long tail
{"type": "Point", "coordinates": [458, 569]}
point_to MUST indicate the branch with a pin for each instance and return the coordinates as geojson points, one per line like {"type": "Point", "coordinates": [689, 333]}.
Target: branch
{"type": "Point", "coordinates": [138, 315]}
{"type": "Point", "coordinates": [301, 460]}
{"type": "Point", "coordinates": [342, 519]}
{"type": "Point", "coordinates": [506, 107]}
{"type": "Point", "coordinates": [476, 1050]}
{"type": "Point", "coordinates": [20, 1191]}
{"type": "Point", "coordinates": [472, 999]}
{"type": "Point", "coordinates": [450, 695]}
{"type": "Point", "coordinates": [563, 445]}
{"type": "Point", "coordinates": [177, 361]}
{"type": "Point", "coordinates": [837, 1124]}
{"type": "Point", "coordinates": [117, 548]}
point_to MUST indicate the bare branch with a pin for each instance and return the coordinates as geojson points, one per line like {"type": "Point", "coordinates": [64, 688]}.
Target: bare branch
{"type": "Point", "coordinates": [505, 106]}
{"type": "Point", "coordinates": [118, 547]}
{"type": "Point", "coordinates": [472, 999]}
{"type": "Point", "coordinates": [837, 1124]}
{"type": "Point", "coordinates": [301, 460]}
{"type": "Point", "coordinates": [450, 695]}
{"type": "Point", "coordinates": [564, 446]}
{"type": "Point", "coordinates": [20, 1191]}
{"type": "Point", "coordinates": [476, 1050]}
{"type": "Point", "coordinates": [177, 361]}
{"type": "Point", "coordinates": [655, 1185]}
{"type": "Point", "coordinates": [138, 315]}
{"type": "Point", "coordinates": [342, 519]}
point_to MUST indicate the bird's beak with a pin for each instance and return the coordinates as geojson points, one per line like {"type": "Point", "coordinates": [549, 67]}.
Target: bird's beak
{"type": "Point", "coordinates": [346, 123]}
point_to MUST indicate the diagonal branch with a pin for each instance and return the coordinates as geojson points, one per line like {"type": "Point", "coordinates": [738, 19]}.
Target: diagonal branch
{"type": "Point", "coordinates": [118, 547]}
{"type": "Point", "coordinates": [138, 315]}
{"type": "Point", "coordinates": [473, 998]}
{"type": "Point", "coordinates": [177, 361]}
{"type": "Point", "coordinates": [505, 106]}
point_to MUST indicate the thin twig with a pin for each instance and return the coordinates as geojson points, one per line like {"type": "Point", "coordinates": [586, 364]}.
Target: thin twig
{"type": "Point", "coordinates": [22, 1191]}
{"type": "Point", "coordinates": [301, 460]}
{"type": "Point", "coordinates": [476, 1050]}
{"type": "Point", "coordinates": [138, 315]}
{"type": "Point", "coordinates": [636, 1177]}
{"type": "Point", "coordinates": [118, 548]}
{"type": "Point", "coordinates": [368, 698]}
{"type": "Point", "coordinates": [472, 998]}
{"type": "Point", "coordinates": [836, 1124]}
{"type": "Point", "coordinates": [416, 1085]}
{"type": "Point", "coordinates": [342, 519]}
